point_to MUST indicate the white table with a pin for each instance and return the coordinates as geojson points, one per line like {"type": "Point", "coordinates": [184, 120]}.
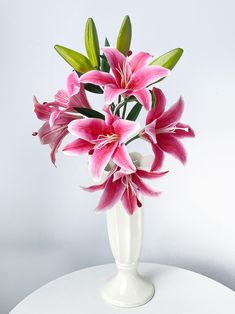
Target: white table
{"type": "Point", "coordinates": [178, 291]}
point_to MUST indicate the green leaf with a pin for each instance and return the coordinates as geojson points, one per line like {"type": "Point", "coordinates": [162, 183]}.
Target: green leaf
{"type": "Point", "coordinates": [124, 36]}
{"type": "Point", "coordinates": [104, 62]}
{"type": "Point", "coordinates": [168, 60]}
{"type": "Point", "coordinates": [106, 42]}
{"type": "Point", "coordinates": [77, 60]}
{"type": "Point", "coordinates": [90, 113]}
{"type": "Point", "coordinates": [93, 88]}
{"type": "Point", "coordinates": [154, 100]}
{"type": "Point", "coordinates": [92, 43]}
{"type": "Point", "coordinates": [133, 114]}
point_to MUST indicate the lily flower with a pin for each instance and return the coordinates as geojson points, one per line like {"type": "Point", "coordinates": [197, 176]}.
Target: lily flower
{"type": "Point", "coordinates": [53, 134]}
{"type": "Point", "coordinates": [59, 113]}
{"type": "Point", "coordinates": [102, 140]}
{"type": "Point", "coordinates": [124, 187]}
{"type": "Point", "coordinates": [163, 130]}
{"type": "Point", "coordinates": [130, 76]}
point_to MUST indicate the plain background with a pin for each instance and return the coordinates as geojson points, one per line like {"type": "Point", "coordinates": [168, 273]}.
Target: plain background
{"type": "Point", "coordinates": [47, 224]}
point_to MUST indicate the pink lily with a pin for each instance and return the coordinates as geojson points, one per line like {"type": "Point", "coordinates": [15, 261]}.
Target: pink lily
{"type": "Point", "coordinates": [163, 130]}
{"type": "Point", "coordinates": [102, 139]}
{"type": "Point", "coordinates": [73, 96]}
{"type": "Point", "coordinates": [59, 113]}
{"type": "Point", "coordinates": [125, 187]}
{"type": "Point", "coordinates": [52, 134]}
{"type": "Point", "coordinates": [131, 76]}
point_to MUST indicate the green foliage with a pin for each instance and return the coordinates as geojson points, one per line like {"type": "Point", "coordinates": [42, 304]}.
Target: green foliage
{"type": "Point", "coordinates": [94, 88]}
{"type": "Point", "coordinates": [133, 114]}
{"type": "Point", "coordinates": [77, 60]}
{"type": "Point", "coordinates": [168, 60]}
{"type": "Point", "coordinates": [92, 43]}
{"type": "Point", "coordinates": [124, 36]}
{"type": "Point", "coordinates": [104, 62]}
{"type": "Point", "coordinates": [90, 113]}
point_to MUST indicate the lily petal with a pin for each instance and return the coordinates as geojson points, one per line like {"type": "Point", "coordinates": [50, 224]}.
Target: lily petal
{"type": "Point", "coordinates": [62, 97]}
{"type": "Point", "coordinates": [144, 97]}
{"type": "Point", "coordinates": [156, 112]}
{"type": "Point", "coordinates": [73, 85]}
{"type": "Point", "coordinates": [150, 174]}
{"type": "Point", "coordinates": [146, 76]}
{"type": "Point", "coordinates": [56, 144]}
{"type": "Point", "coordinates": [96, 187]}
{"type": "Point", "coordinates": [116, 61]}
{"type": "Point", "coordinates": [172, 115]}
{"type": "Point", "coordinates": [80, 99]}
{"type": "Point", "coordinates": [97, 77]}
{"type": "Point", "coordinates": [88, 128]}
{"type": "Point", "coordinates": [112, 194]}
{"type": "Point", "coordinates": [183, 130]}
{"type": "Point", "coordinates": [144, 189]}
{"type": "Point", "coordinates": [125, 129]}
{"type": "Point", "coordinates": [139, 61]}
{"type": "Point", "coordinates": [100, 158]}
{"type": "Point", "coordinates": [77, 147]}
{"type": "Point", "coordinates": [54, 115]}
{"type": "Point", "coordinates": [129, 201]}
{"type": "Point", "coordinates": [111, 92]}
{"type": "Point", "coordinates": [122, 159]}
{"type": "Point", "coordinates": [169, 144]}
{"type": "Point", "coordinates": [150, 130]}
{"type": "Point", "coordinates": [158, 157]}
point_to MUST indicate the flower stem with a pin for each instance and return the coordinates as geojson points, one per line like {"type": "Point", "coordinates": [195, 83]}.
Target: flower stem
{"type": "Point", "coordinates": [119, 106]}
{"type": "Point", "coordinates": [132, 139]}
{"type": "Point", "coordinates": [124, 111]}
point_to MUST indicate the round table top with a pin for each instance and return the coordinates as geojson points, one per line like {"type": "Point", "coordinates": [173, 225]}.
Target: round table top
{"type": "Point", "coordinates": [178, 291]}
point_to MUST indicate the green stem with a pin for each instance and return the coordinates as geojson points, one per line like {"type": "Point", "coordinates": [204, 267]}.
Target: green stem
{"type": "Point", "coordinates": [124, 111]}
{"type": "Point", "coordinates": [132, 139]}
{"type": "Point", "coordinates": [119, 106]}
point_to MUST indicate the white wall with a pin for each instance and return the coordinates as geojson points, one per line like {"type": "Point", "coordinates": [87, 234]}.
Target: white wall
{"type": "Point", "coordinates": [47, 224]}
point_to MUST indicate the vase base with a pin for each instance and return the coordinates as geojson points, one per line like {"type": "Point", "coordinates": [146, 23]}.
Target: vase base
{"type": "Point", "coordinates": [127, 290]}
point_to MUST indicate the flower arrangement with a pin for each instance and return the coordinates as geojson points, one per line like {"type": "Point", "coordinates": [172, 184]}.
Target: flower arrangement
{"type": "Point", "coordinates": [124, 80]}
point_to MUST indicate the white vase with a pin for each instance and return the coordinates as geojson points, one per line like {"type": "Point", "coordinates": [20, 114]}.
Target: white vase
{"type": "Point", "coordinates": [127, 288]}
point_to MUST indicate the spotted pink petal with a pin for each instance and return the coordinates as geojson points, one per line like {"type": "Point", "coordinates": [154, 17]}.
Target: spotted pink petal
{"type": "Point", "coordinates": [97, 77]}
{"type": "Point", "coordinates": [116, 61]}
{"type": "Point", "coordinates": [111, 92]}
{"type": "Point", "coordinates": [100, 158]}
{"type": "Point", "coordinates": [146, 76]}
{"type": "Point", "coordinates": [158, 110]}
{"type": "Point", "coordinates": [144, 97]}
{"type": "Point", "coordinates": [169, 144]}
{"type": "Point", "coordinates": [139, 61]}
{"type": "Point", "coordinates": [125, 128]}
{"type": "Point", "coordinates": [150, 174]}
{"type": "Point", "coordinates": [88, 128]}
{"type": "Point", "coordinates": [129, 201]}
{"type": "Point", "coordinates": [144, 189]}
{"type": "Point", "coordinates": [183, 130]}
{"type": "Point", "coordinates": [77, 147]}
{"type": "Point", "coordinates": [122, 159]}
{"type": "Point", "coordinates": [172, 115]}
{"type": "Point", "coordinates": [112, 194]}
